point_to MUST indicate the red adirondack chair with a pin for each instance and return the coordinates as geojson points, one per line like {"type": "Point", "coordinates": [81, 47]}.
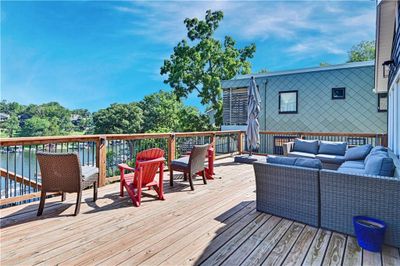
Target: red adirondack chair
{"type": "Point", "coordinates": [143, 175]}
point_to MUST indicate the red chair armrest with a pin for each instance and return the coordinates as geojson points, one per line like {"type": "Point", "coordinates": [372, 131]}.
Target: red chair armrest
{"type": "Point", "coordinates": [158, 160]}
{"type": "Point", "coordinates": [124, 166]}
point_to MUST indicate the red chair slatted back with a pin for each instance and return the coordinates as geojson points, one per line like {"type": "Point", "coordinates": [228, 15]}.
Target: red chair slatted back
{"type": "Point", "coordinates": [149, 171]}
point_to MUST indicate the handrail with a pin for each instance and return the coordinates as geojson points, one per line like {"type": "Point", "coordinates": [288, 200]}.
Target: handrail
{"type": "Point", "coordinates": [77, 138]}
{"type": "Point", "coordinates": [102, 142]}
{"type": "Point", "coordinates": [347, 134]}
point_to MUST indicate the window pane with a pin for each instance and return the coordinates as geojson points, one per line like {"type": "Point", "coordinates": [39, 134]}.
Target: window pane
{"type": "Point", "coordinates": [288, 102]}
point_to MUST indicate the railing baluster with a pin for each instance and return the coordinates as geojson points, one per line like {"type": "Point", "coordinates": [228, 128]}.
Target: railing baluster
{"type": "Point", "coordinates": [29, 168]}
{"type": "Point", "coordinates": [15, 171]}
{"type": "Point", "coordinates": [8, 173]}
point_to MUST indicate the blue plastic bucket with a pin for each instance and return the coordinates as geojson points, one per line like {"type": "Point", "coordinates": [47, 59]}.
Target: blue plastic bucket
{"type": "Point", "coordinates": [370, 232]}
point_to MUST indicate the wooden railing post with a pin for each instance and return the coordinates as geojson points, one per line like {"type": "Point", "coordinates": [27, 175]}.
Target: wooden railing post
{"type": "Point", "coordinates": [384, 140]}
{"type": "Point", "coordinates": [240, 142]}
{"type": "Point", "coordinates": [101, 159]}
{"type": "Point", "coordinates": [171, 148]}
{"type": "Point", "coordinates": [212, 142]}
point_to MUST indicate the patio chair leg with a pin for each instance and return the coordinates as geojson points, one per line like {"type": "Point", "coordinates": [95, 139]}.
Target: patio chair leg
{"type": "Point", "coordinates": [171, 178]}
{"type": "Point", "coordinates": [41, 204]}
{"type": "Point", "coordinates": [78, 203]}
{"type": "Point", "coordinates": [191, 182]}
{"type": "Point", "coordinates": [94, 191]}
{"type": "Point", "coordinates": [203, 174]}
{"type": "Point", "coordinates": [185, 178]}
{"type": "Point", "coordinates": [63, 196]}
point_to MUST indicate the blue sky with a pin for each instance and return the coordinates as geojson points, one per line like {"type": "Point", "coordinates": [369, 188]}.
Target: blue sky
{"type": "Point", "coordinates": [90, 54]}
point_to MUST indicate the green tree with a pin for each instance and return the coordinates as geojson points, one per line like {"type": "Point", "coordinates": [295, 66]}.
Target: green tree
{"type": "Point", "coordinates": [201, 65]}
{"type": "Point", "coordinates": [191, 119]}
{"type": "Point", "coordinates": [11, 107]}
{"type": "Point", "coordinates": [12, 125]}
{"type": "Point", "coordinates": [118, 119]}
{"type": "Point", "coordinates": [36, 126]}
{"type": "Point", "coordinates": [364, 51]}
{"type": "Point", "coordinates": [160, 112]}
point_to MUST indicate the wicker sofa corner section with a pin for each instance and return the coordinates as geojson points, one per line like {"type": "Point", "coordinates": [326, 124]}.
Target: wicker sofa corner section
{"type": "Point", "coordinates": [345, 195]}
{"type": "Point", "coordinates": [288, 191]}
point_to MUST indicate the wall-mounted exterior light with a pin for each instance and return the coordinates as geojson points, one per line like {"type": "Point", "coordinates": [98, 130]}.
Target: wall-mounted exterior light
{"type": "Point", "coordinates": [386, 68]}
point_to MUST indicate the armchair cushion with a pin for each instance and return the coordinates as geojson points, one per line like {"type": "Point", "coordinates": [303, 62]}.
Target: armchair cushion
{"type": "Point", "coordinates": [308, 146]}
{"type": "Point", "coordinates": [334, 148]}
{"type": "Point", "coordinates": [358, 153]}
{"type": "Point", "coordinates": [89, 173]}
{"type": "Point", "coordinates": [181, 164]}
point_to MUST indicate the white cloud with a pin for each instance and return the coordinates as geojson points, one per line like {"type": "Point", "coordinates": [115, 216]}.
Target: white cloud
{"type": "Point", "coordinates": [306, 27]}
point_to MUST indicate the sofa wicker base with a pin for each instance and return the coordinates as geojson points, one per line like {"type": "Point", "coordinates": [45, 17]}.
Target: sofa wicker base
{"type": "Point", "coordinates": [288, 191]}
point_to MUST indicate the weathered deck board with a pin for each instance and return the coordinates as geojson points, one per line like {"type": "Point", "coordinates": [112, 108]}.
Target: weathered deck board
{"type": "Point", "coordinates": [213, 225]}
{"type": "Point", "coordinates": [334, 253]}
{"type": "Point", "coordinates": [353, 252]}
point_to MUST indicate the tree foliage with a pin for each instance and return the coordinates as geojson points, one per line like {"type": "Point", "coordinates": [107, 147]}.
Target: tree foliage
{"type": "Point", "coordinates": [190, 119]}
{"type": "Point", "coordinates": [12, 125]}
{"type": "Point", "coordinates": [160, 112]}
{"type": "Point", "coordinates": [200, 64]}
{"type": "Point", "coordinates": [37, 126]}
{"type": "Point", "coordinates": [118, 119]}
{"type": "Point", "coordinates": [364, 51]}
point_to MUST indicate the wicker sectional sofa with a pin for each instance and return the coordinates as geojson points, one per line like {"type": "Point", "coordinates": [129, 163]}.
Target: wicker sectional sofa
{"type": "Point", "coordinates": [329, 198]}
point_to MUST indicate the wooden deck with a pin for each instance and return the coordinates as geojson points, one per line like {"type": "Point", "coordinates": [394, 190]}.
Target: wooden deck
{"type": "Point", "coordinates": [215, 224]}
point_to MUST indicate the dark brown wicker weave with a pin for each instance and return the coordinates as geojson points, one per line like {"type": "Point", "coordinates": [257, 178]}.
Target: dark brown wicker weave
{"type": "Point", "coordinates": [62, 172]}
{"type": "Point", "coordinates": [190, 165]}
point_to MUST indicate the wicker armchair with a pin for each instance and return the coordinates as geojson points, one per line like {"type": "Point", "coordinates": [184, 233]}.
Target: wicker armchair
{"type": "Point", "coordinates": [62, 172]}
{"type": "Point", "coordinates": [190, 165]}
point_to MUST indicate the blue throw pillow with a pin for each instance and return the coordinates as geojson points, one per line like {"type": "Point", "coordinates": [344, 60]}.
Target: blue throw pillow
{"type": "Point", "coordinates": [379, 165]}
{"type": "Point", "coordinates": [333, 148]}
{"type": "Point", "coordinates": [281, 160]}
{"type": "Point", "coordinates": [375, 153]}
{"type": "Point", "coordinates": [309, 163]}
{"type": "Point", "coordinates": [309, 146]}
{"type": "Point", "coordinates": [357, 153]}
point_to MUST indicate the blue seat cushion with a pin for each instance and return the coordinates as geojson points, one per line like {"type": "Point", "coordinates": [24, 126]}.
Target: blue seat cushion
{"type": "Point", "coordinates": [330, 158]}
{"type": "Point", "coordinates": [378, 148]}
{"type": "Point", "coordinates": [334, 148]}
{"type": "Point", "coordinates": [357, 153]}
{"type": "Point", "coordinates": [308, 146]}
{"type": "Point", "coordinates": [349, 170]}
{"type": "Point", "coordinates": [281, 160]}
{"type": "Point", "coordinates": [301, 154]}
{"type": "Point", "coordinates": [353, 164]}
{"type": "Point", "coordinates": [309, 163]}
{"type": "Point", "coordinates": [379, 164]}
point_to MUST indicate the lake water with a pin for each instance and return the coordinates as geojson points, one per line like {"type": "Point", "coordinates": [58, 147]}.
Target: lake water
{"type": "Point", "coordinates": [24, 163]}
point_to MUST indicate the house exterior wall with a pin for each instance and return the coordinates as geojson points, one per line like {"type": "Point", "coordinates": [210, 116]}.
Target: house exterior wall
{"type": "Point", "coordinates": [317, 112]}
{"type": "Point", "coordinates": [394, 91]}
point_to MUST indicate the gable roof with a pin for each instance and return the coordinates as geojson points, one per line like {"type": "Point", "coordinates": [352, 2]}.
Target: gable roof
{"type": "Point", "coordinates": [307, 70]}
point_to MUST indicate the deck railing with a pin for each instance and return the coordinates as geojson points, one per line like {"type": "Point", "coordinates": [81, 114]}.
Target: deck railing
{"type": "Point", "coordinates": [20, 173]}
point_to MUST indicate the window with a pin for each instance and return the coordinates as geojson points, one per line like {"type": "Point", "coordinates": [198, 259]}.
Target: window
{"type": "Point", "coordinates": [338, 93]}
{"type": "Point", "coordinates": [382, 102]}
{"type": "Point", "coordinates": [288, 102]}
